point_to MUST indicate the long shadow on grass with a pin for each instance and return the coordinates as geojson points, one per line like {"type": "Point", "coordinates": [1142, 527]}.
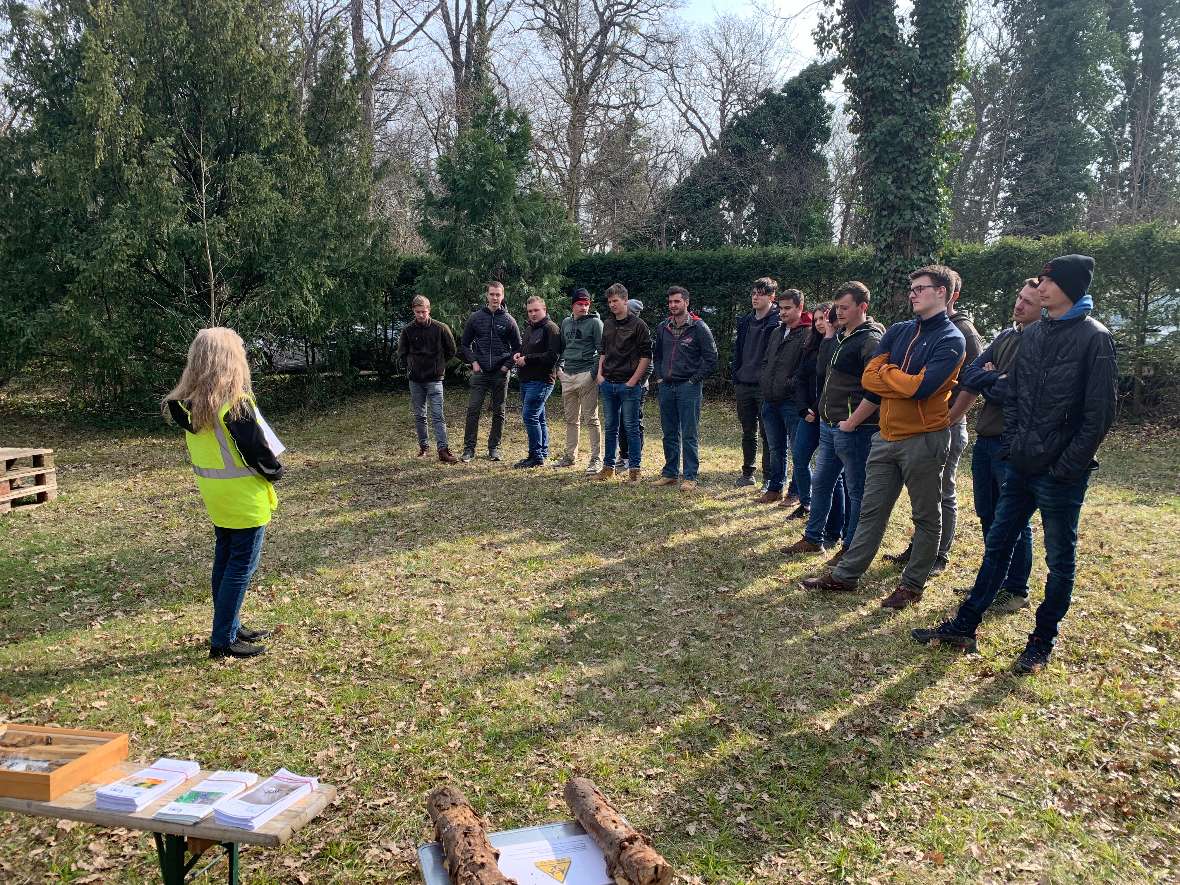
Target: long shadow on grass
{"type": "Point", "coordinates": [788, 703]}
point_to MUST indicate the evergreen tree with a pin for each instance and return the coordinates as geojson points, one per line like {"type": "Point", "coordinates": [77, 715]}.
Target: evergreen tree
{"type": "Point", "coordinates": [488, 219]}
{"type": "Point", "coordinates": [1060, 98]}
{"type": "Point", "coordinates": [767, 182]}
{"type": "Point", "coordinates": [163, 182]}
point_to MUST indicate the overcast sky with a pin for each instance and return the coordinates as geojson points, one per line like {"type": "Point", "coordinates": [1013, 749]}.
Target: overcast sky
{"type": "Point", "coordinates": [802, 16]}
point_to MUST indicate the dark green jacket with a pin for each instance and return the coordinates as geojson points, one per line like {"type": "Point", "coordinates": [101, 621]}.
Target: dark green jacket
{"type": "Point", "coordinates": [842, 389]}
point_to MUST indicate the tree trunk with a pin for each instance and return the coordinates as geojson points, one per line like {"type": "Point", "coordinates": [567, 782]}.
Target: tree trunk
{"type": "Point", "coordinates": [470, 859]}
{"type": "Point", "coordinates": [629, 855]}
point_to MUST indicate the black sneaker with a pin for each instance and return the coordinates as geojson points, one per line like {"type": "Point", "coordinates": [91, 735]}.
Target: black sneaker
{"type": "Point", "coordinates": [899, 558]}
{"type": "Point", "coordinates": [947, 633]}
{"type": "Point", "coordinates": [800, 512]}
{"type": "Point", "coordinates": [526, 463]}
{"type": "Point", "coordinates": [468, 456]}
{"type": "Point", "coordinates": [1034, 658]}
{"type": "Point", "coordinates": [495, 454]}
{"type": "Point", "coordinates": [247, 635]}
{"type": "Point", "coordinates": [237, 649]}
{"type": "Point", "coordinates": [743, 481]}
{"type": "Point", "coordinates": [940, 566]}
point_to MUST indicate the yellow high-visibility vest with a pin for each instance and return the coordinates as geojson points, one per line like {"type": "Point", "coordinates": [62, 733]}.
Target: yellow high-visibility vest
{"type": "Point", "coordinates": [235, 496]}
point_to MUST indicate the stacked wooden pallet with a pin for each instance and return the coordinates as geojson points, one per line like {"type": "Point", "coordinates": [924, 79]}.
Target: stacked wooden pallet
{"type": "Point", "coordinates": [27, 478]}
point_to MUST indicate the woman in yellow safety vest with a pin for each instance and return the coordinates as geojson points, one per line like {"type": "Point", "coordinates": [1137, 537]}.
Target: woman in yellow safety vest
{"type": "Point", "coordinates": [235, 469]}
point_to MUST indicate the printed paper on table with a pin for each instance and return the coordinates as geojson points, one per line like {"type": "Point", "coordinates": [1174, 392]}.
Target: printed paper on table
{"type": "Point", "coordinates": [571, 860]}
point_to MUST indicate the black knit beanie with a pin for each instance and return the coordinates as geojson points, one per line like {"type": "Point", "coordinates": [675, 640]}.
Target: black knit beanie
{"type": "Point", "coordinates": [1072, 273]}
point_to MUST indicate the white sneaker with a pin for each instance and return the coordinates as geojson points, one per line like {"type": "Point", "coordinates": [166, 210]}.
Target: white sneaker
{"type": "Point", "coordinates": [594, 466]}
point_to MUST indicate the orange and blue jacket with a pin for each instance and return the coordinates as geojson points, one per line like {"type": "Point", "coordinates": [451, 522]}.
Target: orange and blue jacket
{"type": "Point", "coordinates": [912, 375]}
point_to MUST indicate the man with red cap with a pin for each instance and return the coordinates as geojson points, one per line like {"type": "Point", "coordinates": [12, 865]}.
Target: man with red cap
{"type": "Point", "coordinates": [1058, 408]}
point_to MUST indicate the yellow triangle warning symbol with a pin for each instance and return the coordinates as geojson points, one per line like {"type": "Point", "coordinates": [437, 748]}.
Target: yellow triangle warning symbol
{"type": "Point", "coordinates": [555, 869]}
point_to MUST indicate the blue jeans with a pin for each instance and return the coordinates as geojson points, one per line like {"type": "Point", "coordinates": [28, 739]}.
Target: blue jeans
{"type": "Point", "coordinates": [803, 446]}
{"type": "Point", "coordinates": [421, 393]}
{"type": "Point", "coordinates": [988, 475]}
{"type": "Point", "coordinates": [621, 403]}
{"type": "Point", "coordinates": [1060, 504]}
{"type": "Point", "coordinates": [235, 559]}
{"type": "Point", "coordinates": [838, 452]}
{"type": "Point", "coordinates": [533, 395]}
{"type": "Point", "coordinates": [680, 419]}
{"type": "Point", "coordinates": [778, 422]}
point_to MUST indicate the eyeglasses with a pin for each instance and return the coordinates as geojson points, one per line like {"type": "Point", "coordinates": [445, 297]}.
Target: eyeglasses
{"type": "Point", "coordinates": [915, 290]}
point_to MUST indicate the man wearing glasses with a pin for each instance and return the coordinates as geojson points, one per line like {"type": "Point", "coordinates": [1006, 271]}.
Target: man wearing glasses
{"type": "Point", "coordinates": [911, 379]}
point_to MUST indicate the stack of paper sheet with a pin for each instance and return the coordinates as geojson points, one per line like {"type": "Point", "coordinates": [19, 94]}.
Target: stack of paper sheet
{"type": "Point", "coordinates": [197, 804]}
{"type": "Point", "coordinates": [135, 792]}
{"type": "Point", "coordinates": [271, 797]}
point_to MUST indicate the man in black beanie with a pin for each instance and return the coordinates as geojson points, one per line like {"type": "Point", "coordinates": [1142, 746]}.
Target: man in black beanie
{"type": "Point", "coordinates": [1059, 407]}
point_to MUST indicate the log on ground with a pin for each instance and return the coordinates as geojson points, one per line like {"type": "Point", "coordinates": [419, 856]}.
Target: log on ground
{"type": "Point", "coordinates": [629, 855]}
{"type": "Point", "coordinates": [469, 857]}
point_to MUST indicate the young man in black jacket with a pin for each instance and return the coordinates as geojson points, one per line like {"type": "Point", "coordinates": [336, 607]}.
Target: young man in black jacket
{"type": "Point", "coordinates": [490, 339]}
{"type": "Point", "coordinates": [777, 380]}
{"type": "Point", "coordinates": [1059, 406]}
{"type": "Point", "coordinates": [426, 346]}
{"type": "Point", "coordinates": [536, 366]}
{"type": "Point", "coordinates": [745, 368]}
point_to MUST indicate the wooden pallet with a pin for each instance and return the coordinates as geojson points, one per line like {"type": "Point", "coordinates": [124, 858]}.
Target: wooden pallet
{"type": "Point", "coordinates": [27, 478]}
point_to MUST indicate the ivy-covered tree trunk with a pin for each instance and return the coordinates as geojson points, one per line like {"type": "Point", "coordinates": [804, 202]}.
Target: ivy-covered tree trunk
{"type": "Point", "coordinates": [1061, 95]}
{"type": "Point", "coordinates": [900, 82]}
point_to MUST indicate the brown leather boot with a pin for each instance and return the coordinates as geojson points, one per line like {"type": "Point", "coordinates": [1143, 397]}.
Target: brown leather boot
{"type": "Point", "coordinates": [828, 583]}
{"type": "Point", "coordinates": [902, 597]}
{"type": "Point", "coordinates": [633, 475]}
{"type": "Point", "coordinates": [802, 546]}
{"type": "Point", "coordinates": [444, 455]}
{"type": "Point", "coordinates": [422, 450]}
{"type": "Point", "coordinates": [769, 498]}
{"type": "Point", "coordinates": [604, 474]}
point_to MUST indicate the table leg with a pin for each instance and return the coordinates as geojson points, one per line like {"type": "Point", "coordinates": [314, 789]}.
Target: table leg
{"type": "Point", "coordinates": [231, 853]}
{"type": "Point", "coordinates": [170, 851]}
{"type": "Point", "coordinates": [175, 865]}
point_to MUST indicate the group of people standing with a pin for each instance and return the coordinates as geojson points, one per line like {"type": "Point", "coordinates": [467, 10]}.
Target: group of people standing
{"type": "Point", "coordinates": [849, 412]}
{"type": "Point", "coordinates": [880, 410]}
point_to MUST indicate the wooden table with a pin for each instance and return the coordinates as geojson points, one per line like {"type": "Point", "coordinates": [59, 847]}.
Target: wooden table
{"type": "Point", "coordinates": [179, 846]}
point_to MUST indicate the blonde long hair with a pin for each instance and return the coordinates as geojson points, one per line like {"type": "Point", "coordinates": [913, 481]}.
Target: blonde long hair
{"type": "Point", "coordinates": [216, 373]}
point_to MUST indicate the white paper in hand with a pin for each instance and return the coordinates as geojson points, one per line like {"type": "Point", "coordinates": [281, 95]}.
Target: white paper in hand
{"type": "Point", "coordinates": [272, 441]}
{"type": "Point", "coordinates": [572, 860]}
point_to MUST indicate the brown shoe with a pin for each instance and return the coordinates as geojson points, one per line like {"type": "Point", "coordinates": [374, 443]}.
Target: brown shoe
{"type": "Point", "coordinates": [802, 546]}
{"type": "Point", "coordinates": [789, 501]}
{"type": "Point", "coordinates": [687, 485]}
{"type": "Point", "coordinates": [422, 450]}
{"type": "Point", "coordinates": [768, 498]}
{"type": "Point", "coordinates": [901, 597]}
{"type": "Point", "coordinates": [633, 475]}
{"type": "Point", "coordinates": [835, 560]}
{"type": "Point", "coordinates": [665, 481]}
{"type": "Point", "coordinates": [828, 583]}
{"type": "Point", "coordinates": [604, 474]}
{"type": "Point", "coordinates": [444, 455]}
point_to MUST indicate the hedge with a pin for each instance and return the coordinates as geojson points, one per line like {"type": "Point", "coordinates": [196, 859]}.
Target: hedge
{"type": "Point", "coordinates": [1136, 287]}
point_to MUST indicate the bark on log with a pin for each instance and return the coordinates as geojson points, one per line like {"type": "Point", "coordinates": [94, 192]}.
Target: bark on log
{"type": "Point", "coordinates": [469, 858]}
{"type": "Point", "coordinates": [630, 859]}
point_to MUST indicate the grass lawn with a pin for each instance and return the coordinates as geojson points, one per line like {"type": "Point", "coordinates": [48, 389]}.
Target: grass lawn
{"type": "Point", "coordinates": [503, 630]}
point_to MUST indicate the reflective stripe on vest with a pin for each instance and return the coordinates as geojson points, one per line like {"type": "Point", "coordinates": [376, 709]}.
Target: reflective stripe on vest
{"type": "Point", "coordinates": [230, 470]}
